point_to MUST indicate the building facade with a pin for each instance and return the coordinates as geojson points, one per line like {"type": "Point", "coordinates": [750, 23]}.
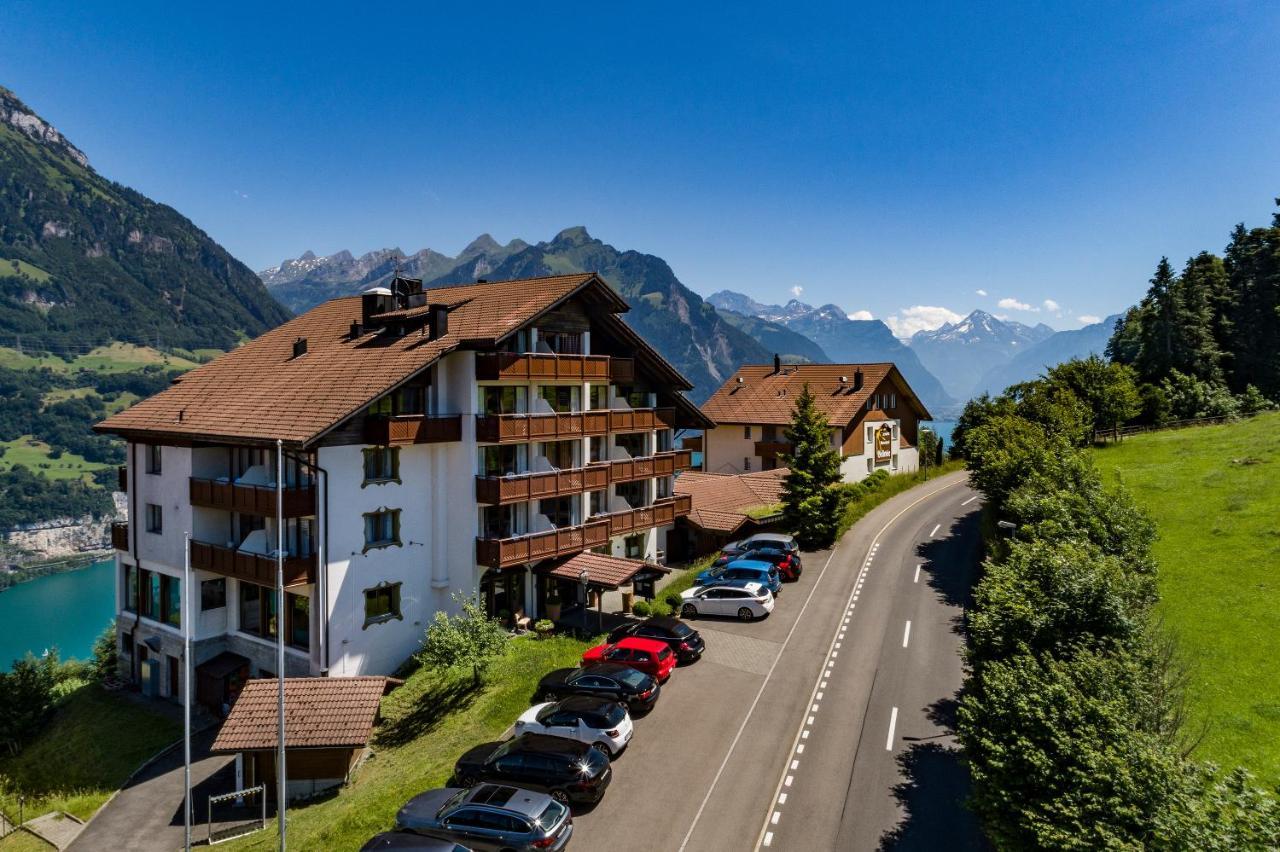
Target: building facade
{"type": "Point", "coordinates": [459, 440]}
{"type": "Point", "coordinates": [873, 414]}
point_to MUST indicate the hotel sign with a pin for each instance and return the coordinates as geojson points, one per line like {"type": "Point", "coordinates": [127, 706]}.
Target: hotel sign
{"type": "Point", "coordinates": [884, 444]}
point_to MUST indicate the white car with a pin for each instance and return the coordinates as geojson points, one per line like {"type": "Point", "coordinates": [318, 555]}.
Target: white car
{"type": "Point", "coordinates": [599, 722]}
{"type": "Point", "coordinates": [745, 601]}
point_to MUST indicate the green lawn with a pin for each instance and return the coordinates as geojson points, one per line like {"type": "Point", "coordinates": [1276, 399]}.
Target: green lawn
{"type": "Point", "coordinates": [22, 269]}
{"type": "Point", "coordinates": [1214, 493]}
{"type": "Point", "coordinates": [95, 740]}
{"type": "Point", "coordinates": [426, 725]}
{"type": "Point", "coordinates": [34, 455]}
{"type": "Point", "coordinates": [112, 358]}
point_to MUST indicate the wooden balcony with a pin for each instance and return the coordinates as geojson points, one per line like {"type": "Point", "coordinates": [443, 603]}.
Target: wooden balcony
{"type": "Point", "coordinates": [772, 449]}
{"type": "Point", "coordinates": [251, 499]}
{"type": "Point", "coordinates": [693, 442]}
{"type": "Point", "coordinates": [254, 567]}
{"type": "Point", "coordinates": [120, 535]}
{"type": "Point", "coordinates": [664, 511]}
{"type": "Point", "coordinates": [520, 428]}
{"type": "Point", "coordinates": [622, 371]}
{"type": "Point", "coordinates": [413, 429]}
{"type": "Point", "coordinates": [640, 419]}
{"type": "Point", "coordinates": [506, 552]}
{"type": "Point", "coordinates": [497, 490]}
{"type": "Point", "coordinates": [647, 467]}
{"type": "Point", "coordinates": [542, 367]}
{"type": "Point", "coordinates": [122, 478]}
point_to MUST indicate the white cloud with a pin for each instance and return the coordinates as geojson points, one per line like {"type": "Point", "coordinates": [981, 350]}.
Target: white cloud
{"type": "Point", "coordinates": [980, 292]}
{"type": "Point", "coordinates": [861, 315]}
{"type": "Point", "coordinates": [1051, 305]}
{"type": "Point", "coordinates": [1014, 305]}
{"type": "Point", "coordinates": [908, 321]}
{"type": "Point", "coordinates": [1089, 319]}
{"type": "Point", "coordinates": [796, 291]}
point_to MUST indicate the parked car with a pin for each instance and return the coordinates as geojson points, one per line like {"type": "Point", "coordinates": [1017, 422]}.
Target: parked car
{"type": "Point", "coordinates": [746, 602]}
{"type": "Point", "coordinates": [566, 770]}
{"type": "Point", "coordinates": [487, 817]}
{"type": "Point", "coordinates": [683, 639]}
{"type": "Point", "coordinates": [779, 540]}
{"type": "Point", "coordinates": [648, 655]}
{"type": "Point", "coordinates": [788, 563]}
{"type": "Point", "coordinates": [601, 723]}
{"type": "Point", "coordinates": [408, 841]}
{"type": "Point", "coordinates": [743, 569]}
{"type": "Point", "coordinates": [633, 688]}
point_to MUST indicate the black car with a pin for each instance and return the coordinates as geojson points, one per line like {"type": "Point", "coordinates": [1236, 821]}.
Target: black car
{"type": "Point", "coordinates": [622, 683]}
{"type": "Point", "coordinates": [567, 770]}
{"type": "Point", "coordinates": [788, 563]}
{"type": "Point", "coordinates": [684, 640]}
{"type": "Point", "coordinates": [407, 841]}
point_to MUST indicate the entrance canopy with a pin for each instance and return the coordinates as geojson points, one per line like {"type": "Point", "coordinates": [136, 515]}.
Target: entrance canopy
{"type": "Point", "coordinates": [606, 572]}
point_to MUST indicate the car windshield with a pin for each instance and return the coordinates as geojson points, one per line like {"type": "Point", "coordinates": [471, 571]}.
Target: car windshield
{"type": "Point", "coordinates": [451, 802]}
{"type": "Point", "coordinates": [681, 629]}
{"type": "Point", "coordinates": [551, 814]}
{"type": "Point", "coordinates": [545, 712]}
{"type": "Point", "coordinates": [632, 678]}
{"type": "Point", "coordinates": [615, 714]}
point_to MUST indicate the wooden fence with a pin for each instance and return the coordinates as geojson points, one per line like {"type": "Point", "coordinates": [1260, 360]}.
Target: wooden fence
{"type": "Point", "coordinates": [1101, 436]}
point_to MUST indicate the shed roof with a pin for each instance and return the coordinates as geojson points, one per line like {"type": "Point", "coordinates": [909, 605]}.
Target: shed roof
{"type": "Point", "coordinates": [607, 571]}
{"type": "Point", "coordinates": [720, 501]}
{"type": "Point", "coordinates": [320, 712]}
{"type": "Point", "coordinates": [755, 394]}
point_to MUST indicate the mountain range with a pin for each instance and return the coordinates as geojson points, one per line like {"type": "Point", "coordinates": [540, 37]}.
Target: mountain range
{"type": "Point", "coordinates": [84, 260]}
{"type": "Point", "coordinates": [960, 354]}
{"type": "Point", "coordinates": [1054, 349]}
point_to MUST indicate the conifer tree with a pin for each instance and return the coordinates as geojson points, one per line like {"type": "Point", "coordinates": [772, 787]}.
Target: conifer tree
{"type": "Point", "coordinates": [810, 505]}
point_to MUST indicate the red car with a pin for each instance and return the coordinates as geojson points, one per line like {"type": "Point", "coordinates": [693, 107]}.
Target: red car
{"type": "Point", "coordinates": [647, 655]}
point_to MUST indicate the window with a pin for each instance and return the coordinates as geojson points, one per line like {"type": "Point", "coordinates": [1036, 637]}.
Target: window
{"type": "Point", "coordinates": [257, 610]}
{"type": "Point", "coordinates": [504, 459]}
{"type": "Point", "coordinates": [559, 397]}
{"type": "Point", "coordinates": [870, 465]}
{"type": "Point", "coordinates": [152, 595]}
{"type": "Point", "coordinates": [746, 433]}
{"type": "Point", "coordinates": [381, 407]}
{"type": "Point", "coordinates": [381, 528]}
{"type": "Point", "coordinates": [870, 434]}
{"type": "Point", "coordinates": [507, 399]}
{"type": "Point", "coordinates": [895, 431]}
{"type": "Point", "coordinates": [563, 342]}
{"type": "Point", "coordinates": [382, 603]}
{"type": "Point", "coordinates": [298, 619]}
{"type": "Point", "coordinates": [664, 487]}
{"type": "Point", "coordinates": [411, 399]}
{"type": "Point", "coordinates": [161, 597]}
{"type": "Point", "coordinates": [635, 493]}
{"type": "Point", "coordinates": [664, 440]}
{"type": "Point", "coordinates": [130, 588]}
{"type": "Point", "coordinates": [599, 397]}
{"type": "Point", "coordinates": [596, 503]}
{"type": "Point", "coordinates": [895, 461]}
{"type": "Point", "coordinates": [504, 521]}
{"type": "Point", "coordinates": [634, 545]}
{"type": "Point", "coordinates": [381, 464]}
{"type": "Point", "coordinates": [558, 511]}
{"type": "Point", "coordinates": [172, 606]}
{"type": "Point", "coordinates": [595, 448]}
{"type": "Point", "coordinates": [559, 454]}
{"type": "Point", "coordinates": [155, 518]}
{"type": "Point", "coordinates": [634, 444]}
{"type": "Point", "coordinates": [893, 400]}
{"type": "Point", "coordinates": [746, 463]}
{"type": "Point", "coordinates": [153, 458]}
{"type": "Point", "coordinates": [213, 594]}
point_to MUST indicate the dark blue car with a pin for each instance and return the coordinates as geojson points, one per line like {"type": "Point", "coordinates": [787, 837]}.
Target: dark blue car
{"type": "Point", "coordinates": [747, 570]}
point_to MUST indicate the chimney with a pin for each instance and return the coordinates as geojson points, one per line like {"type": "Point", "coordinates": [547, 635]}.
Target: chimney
{"type": "Point", "coordinates": [857, 380]}
{"type": "Point", "coordinates": [356, 329]}
{"type": "Point", "coordinates": [482, 280]}
{"type": "Point", "coordinates": [777, 364]}
{"type": "Point", "coordinates": [299, 347]}
{"type": "Point", "coordinates": [439, 322]}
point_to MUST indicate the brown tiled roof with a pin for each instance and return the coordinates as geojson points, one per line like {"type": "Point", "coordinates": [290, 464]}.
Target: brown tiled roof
{"type": "Point", "coordinates": [260, 392]}
{"type": "Point", "coordinates": [720, 501]}
{"type": "Point", "coordinates": [319, 712]}
{"type": "Point", "coordinates": [608, 571]}
{"type": "Point", "coordinates": [765, 397]}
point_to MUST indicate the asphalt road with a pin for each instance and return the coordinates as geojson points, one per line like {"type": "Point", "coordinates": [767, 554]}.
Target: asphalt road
{"type": "Point", "coordinates": [780, 736]}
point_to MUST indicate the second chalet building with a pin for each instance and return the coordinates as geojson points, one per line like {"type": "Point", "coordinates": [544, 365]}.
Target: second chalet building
{"type": "Point", "coordinates": [473, 437]}
{"type": "Point", "coordinates": [873, 414]}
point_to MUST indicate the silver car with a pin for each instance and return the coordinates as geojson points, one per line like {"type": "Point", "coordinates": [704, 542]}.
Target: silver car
{"type": "Point", "coordinates": [489, 817]}
{"type": "Point", "coordinates": [777, 541]}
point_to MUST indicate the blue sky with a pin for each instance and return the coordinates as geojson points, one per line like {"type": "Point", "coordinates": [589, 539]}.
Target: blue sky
{"type": "Point", "coordinates": [882, 159]}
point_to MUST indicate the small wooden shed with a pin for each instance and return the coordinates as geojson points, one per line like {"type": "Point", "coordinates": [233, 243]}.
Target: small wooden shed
{"type": "Point", "coordinates": [328, 722]}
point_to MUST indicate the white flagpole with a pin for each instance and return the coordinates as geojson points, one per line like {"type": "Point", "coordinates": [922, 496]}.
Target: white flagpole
{"type": "Point", "coordinates": [186, 689]}
{"type": "Point", "coordinates": [280, 621]}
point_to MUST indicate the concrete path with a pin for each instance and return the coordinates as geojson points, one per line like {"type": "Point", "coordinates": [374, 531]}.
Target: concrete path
{"type": "Point", "coordinates": [55, 828]}
{"type": "Point", "coordinates": [146, 816]}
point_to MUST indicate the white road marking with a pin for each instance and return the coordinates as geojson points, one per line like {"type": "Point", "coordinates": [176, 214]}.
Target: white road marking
{"type": "Point", "coordinates": [906, 634]}
{"type": "Point", "coordinates": [917, 577]}
{"type": "Point", "coordinates": [764, 832]}
{"type": "Point", "coordinates": [804, 734]}
{"type": "Point", "coordinates": [970, 500]}
{"type": "Point", "coordinates": [824, 683]}
{"type": "Point", "coordinates": [768, 838]}
{"type": "Point", "coordinates": [893, 720]}
{"type": "Point", "coordinates": [782, 798]}
{"type": "Point", "coordinates": [776, 816]}
{"type": "Point", "coordinates": [810, 720]}
{"type": "Point", "coordinates": [815, 707]}
{"type": "Point", "coordinates": [936, 527]}
{"type": "Point", "coordinates": [795, 764]}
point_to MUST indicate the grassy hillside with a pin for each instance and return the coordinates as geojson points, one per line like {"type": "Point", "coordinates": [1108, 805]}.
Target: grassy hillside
{"type": "Point", "coordinates": [1215, 495]}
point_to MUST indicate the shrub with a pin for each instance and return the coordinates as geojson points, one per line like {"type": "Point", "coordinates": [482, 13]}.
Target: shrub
{"type": "Point", "coordinates": [673, 600]}
{"type": "Point", "coordinates": [642, 608]}
{"type": "Point", "coordinates": [106, 653]}
{"type": "Point", "coordinates": [469, 639]}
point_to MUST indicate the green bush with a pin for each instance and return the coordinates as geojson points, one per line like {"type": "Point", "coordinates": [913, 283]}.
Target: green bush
{"type": "Point", "coordinates": [642, 609]}
{"type": "Point", "coordinates": [673, 600]}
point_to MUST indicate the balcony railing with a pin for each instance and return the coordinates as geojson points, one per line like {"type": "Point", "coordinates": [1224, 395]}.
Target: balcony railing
{"type": "Point", "coordinates": [254, 567]}
{"type": "Point", "coordinates": [251, 499]}
{"type": "Point", "coordinates": [505, 552]}
{"type": "Point", "coordinates": [640, 419]}
{"type": "Point", "coordinates": [539, 366]}
{"type": "Point", "coordinates": [518, 428]}
{"type": "Point", "coordinates": [663, 511]}
{"type": "Point", "coordinates": [122, 478]}
{"type": "Point", "coordinates": [120, 535]}
{"type": "Point", "coordinates": [772, 449]}
{"type": "Point", "coordinates": [693, 442]}
{"type": "Point", "coordinates": [413, 429]}
{"type": "Point", "coordinates": [622, 371]}
{"type": "Point", "coordinates": [496, 490]}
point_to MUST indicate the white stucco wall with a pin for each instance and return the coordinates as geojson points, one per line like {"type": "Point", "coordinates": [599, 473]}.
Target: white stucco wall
{"type": "Point", "coordinates": [725, 447]}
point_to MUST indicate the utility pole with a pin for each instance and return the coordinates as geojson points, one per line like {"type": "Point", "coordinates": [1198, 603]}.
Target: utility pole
{"type": "Point", "coordinates": [281, 782]}
{"type": "Point", "coordinates": [186, 689]}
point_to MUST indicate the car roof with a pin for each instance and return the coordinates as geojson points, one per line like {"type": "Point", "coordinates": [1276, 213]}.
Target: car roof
{"type": "Point", "coordinates": [779, 537]}
{"type": "Point", "coordinates": [583, 703]}
{"type": "Point", "coordinates": [639, 643]}
{"type": "Point", "coordinates": [546, 743]}
{"type": "Point", "coordinates": [666, 622]}
{"type": "Point", "coordinates": [750, 563]}
{"type": "Point", "coordinates": [508, 798]}
{"type": "Point", "coordinates": [408, 841]}
{"type": "Point", "coordinates": [749, 585]}
{"type": "Point", "coordinates": [606, 669]}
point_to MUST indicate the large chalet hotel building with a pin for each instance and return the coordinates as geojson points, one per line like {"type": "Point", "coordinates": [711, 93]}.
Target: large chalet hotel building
{"type": "Point", "coordinates": [471, 438]}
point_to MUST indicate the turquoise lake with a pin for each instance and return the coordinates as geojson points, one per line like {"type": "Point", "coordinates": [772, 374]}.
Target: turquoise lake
{"type": "Point", "coordinates": [67, 611]}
